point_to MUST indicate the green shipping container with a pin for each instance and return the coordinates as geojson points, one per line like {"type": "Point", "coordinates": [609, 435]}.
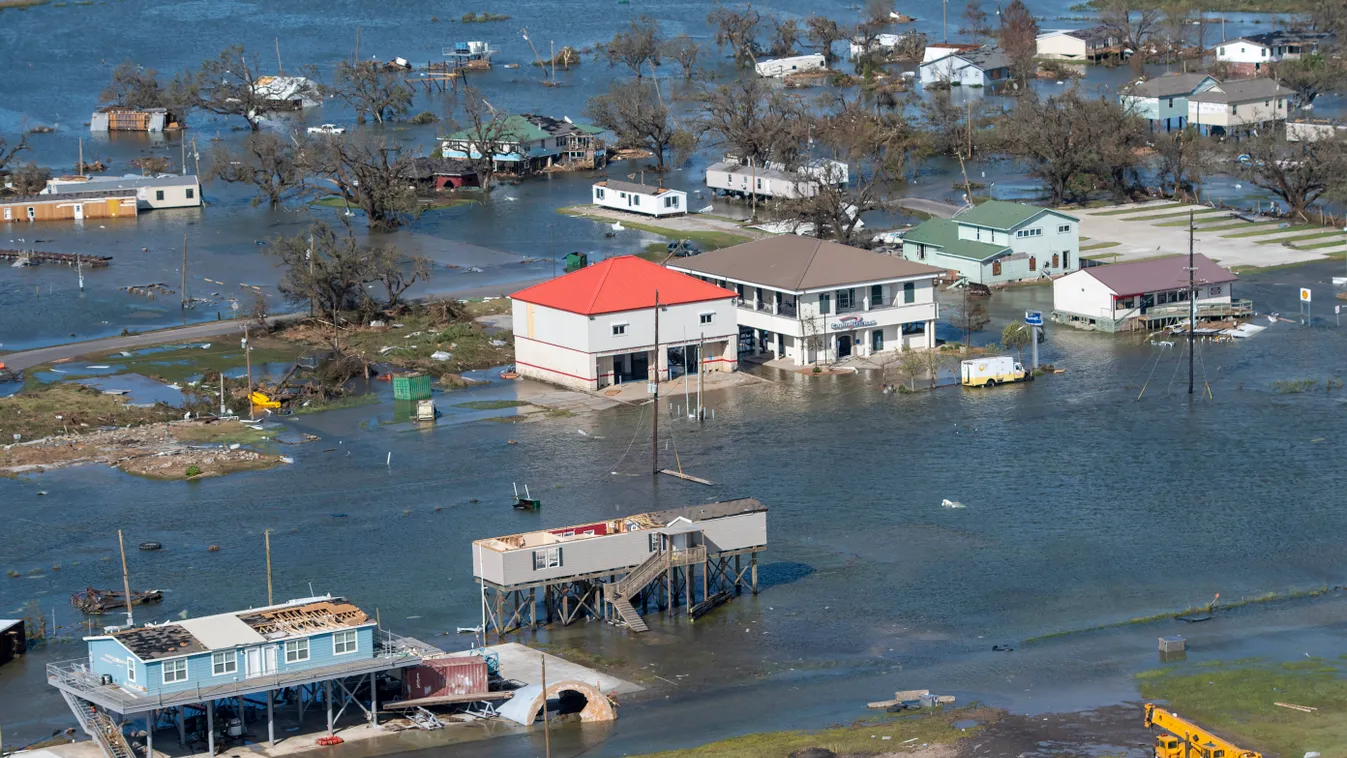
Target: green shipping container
{"type": "Point", "coordinates": [413, 387]}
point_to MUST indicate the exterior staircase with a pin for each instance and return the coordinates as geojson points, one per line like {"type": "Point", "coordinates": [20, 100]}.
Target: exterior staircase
{"type": "Point", "coordinates": [100, 726]}
{"type": "Point", "coordinates": [622, 591]}
{"type": "Point", "coordinates": [629, 615]}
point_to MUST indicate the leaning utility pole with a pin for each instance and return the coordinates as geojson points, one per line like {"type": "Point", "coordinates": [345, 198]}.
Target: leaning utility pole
{"type": "Point", "coordinates": [1192, 304]}
{"type": "Point", "coordinates": [184, 271]}
{"type": "Point", "coordinates": [654, 390]}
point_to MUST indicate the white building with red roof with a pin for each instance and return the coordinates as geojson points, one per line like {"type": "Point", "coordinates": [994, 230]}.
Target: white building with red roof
{"type": "Point", "coordinates": [1146, 294]}
{"type": "Point", "coordinates": [596, 327]}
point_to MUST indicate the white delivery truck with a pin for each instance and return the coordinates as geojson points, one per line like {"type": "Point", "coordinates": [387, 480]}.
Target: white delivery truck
{"type": "Point", "coordinates": [991, 371]}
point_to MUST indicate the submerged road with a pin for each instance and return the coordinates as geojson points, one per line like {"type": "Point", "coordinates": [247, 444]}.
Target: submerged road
{"type": "Point", "coordinates": [26, 359]}
{"type": "Point", "coordinates": [936, 208]}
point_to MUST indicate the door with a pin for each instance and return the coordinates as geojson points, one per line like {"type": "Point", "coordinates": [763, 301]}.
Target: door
{"type": "Point", "coordinates": [877, 340]}
{"type": "Point", "coordinates": [79, 211]}
{"type": "Point", "coordinates": [843, 347]}
{"type": "Point", "coordinates": [259, 661]}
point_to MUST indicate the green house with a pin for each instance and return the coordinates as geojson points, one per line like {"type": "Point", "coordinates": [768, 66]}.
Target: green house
{"type": "Point", "coordinates": [998, 241]}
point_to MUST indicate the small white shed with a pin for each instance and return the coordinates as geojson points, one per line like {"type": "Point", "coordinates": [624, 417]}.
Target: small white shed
{"type": "Point", "coordinates": [640, 198]}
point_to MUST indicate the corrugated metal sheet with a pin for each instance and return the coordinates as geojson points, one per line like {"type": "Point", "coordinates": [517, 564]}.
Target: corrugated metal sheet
{"type": "Point", "coordinates": [223, 631]}
{"type": "Point", "coordinates": [440, 677]}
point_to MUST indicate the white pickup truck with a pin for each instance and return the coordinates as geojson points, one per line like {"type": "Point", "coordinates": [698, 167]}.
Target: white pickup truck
{"type": "Point", "coordinates": [327, 129]}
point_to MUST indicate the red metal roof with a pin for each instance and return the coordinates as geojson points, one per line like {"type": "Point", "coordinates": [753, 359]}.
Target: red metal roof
{"type": "Point", "coordinates": [624, 283]}
{"type": "Point", "coordinates": [1159, 274]}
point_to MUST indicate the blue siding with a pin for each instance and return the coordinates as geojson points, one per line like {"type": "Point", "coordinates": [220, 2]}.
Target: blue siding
{"type": "Point", "coordinates": [108, 656]}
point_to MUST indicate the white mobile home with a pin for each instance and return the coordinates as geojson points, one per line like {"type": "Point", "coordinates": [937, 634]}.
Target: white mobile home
{"type": "Point", "coordinates": [163, 191]}
{"type": "Point", "coordinates": [733, 178]}
{"type": "Point", "coordinates": [799, 64]}
{"type": "Point", "coordinates": [640, 198]}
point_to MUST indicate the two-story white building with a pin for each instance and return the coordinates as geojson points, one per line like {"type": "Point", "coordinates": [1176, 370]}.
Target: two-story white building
{"type": "Point", "coordinates": [596, 326]}
{"type": "Point", "coordinates": [1238, 106]}
{"type": "Point", "coordinates": [1250, 55]}
{"type": "Point", "coordinates": [1163, 101]}
{"type": "Point", "coordinates": [1144, 294]}
{"type": "Point", "coordinates": [997, 242]}
{"type": "Point", "coordinates": [811, 300]}
{"type": "Point", "coordinates": [648, 200]}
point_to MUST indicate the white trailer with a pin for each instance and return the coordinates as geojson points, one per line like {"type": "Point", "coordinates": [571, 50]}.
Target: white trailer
{"type": "Point", "coordinates": [797, 64]}
{"type": "Point", "coordinates": [991, 371]}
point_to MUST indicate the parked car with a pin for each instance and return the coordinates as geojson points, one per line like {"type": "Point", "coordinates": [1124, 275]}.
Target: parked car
{"type": "Point", "coordinates": [327, 129]}
{"type": "Point", "coordinates": [683, 249]}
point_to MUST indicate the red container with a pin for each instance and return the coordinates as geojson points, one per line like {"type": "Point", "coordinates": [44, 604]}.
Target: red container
{"type": "Point", "coordinates": [445, 677]}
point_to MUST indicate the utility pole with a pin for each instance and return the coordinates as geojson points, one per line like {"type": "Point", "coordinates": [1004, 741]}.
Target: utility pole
{"type": "Point", "coordinates": [280, 70]}
{"type": "Point", "coordinates": [184, 271]}
{"type": "Point", "coordinates": [269, 600]}
{"type": "Point", "coordinates": [547, 722]}
{"type": "Point", "coordinates": [248, 360]}
{"type": "Point", "coordinates": [222, 404]}
{"type": "Point", "coordinates": [81, 166]}
{"type": "Point", "coordinates": [197, 155]}
{"type": "Point", "coordinates": [1192, 305]}
{"type": "Point", "coordinates": [654, 390]}
{"type": "Point", "coordinates": [79, 270]}
{"type": "Point", "coordinates": [313, 286]}
{"type": "Point", "coordinates": [701, 361]}
{"type": "Point", "coordinates": [126, 581]}
{"type": "Point", "coordinates": [182, 142]}
{"type": "Point", "coordinates": [944, 16]}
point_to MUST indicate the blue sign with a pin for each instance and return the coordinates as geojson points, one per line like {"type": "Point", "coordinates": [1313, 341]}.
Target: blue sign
{"type": "Point", "coordinates": [1033, 318]}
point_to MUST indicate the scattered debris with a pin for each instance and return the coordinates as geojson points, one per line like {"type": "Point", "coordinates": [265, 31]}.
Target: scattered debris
{"type": "Point", "coordinates": [94, 602]}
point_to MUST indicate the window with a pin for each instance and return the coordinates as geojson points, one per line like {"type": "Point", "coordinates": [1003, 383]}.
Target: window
{"type": "Point", "coordinates": [158, 194]}
{"type": "Point", "coordinates": [653, 541]}
{"type": "Point", "coordinates": [1214, 291]}
{"type": "Point", "coordinates": [635, 199]}
{"type": "Point", "coordinates": [996, 268]}
{"type": "Point", "coordinates": [1064, 229]}
{"type": "Point", "coordinates": [978, 231]}
{"type": "Point", "coordinates": [297, 650]}
{"type": "Point", "coordinates": [1171, 102]}
{"type": "Point", "coordinates": [131, 670]}
{"type": "Point", "coordinates": [876, 295]}
{"type": "Point", "coordinates": [9, 214]}
{"type": "Point", "coordinates": [668, 202]}
{"type": "Point", "coordinates": [1066, 259]}
{"type": "Point", "coordinates": [175, 671]}
{"type": "Point", "coordinates": [1128, 303]}
{"type": "Point", "coordinates": [914, 327]}
{"type": "Point", "coordinates": [1034, 232]}
{"type": "Point", "coordinates": [1221, 51]}
{"type": "Point", "coordinates": [619, 330]}
{"type": "Point", "coordinates": [546, 559]}
{"type": "Point", "coordinates": [909, 292]}
{"type": "Point", "coordinates": [598, 192]}
{"type": "Point", "coordinates": [1033, 263]}
{"type": "Point", "coordinates": [32, 213]}
{"type": "Point", "coordinates": [846, 299]}
{"type": "Point", "coordinates": [1266, 103]}
{"type": "Point", "coordinates": [674, 201]}
{"type": "Point", "coordinates": [344, 642]}
{"type": "Point", "coordinates": [1234, 109]}
{"type": "Point", "coordinates": [707, 318]}
{"type": "Point", "coordinates": [191, 192]}
{"type": "Point", "coordinates": [825, 304]}
{"type": "Point", "coordinates": [621, 196]}
{"type": "Point", "coordinates": [921, 252]}
{"type": "Point", "coordinates": [223, 663]}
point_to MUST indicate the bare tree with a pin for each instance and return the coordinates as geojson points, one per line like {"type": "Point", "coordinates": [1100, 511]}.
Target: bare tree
{"type": "Point", "coordinates": [369, 173]}
{"type": "Point", "coordinates": [7, 152]}
{"type": "Point", "coordinates": [823, 33]}
{"type": "Point", "coordinates": [373, 90]}
{"type": "Point", "coordinates": [327, 269]}
{"type": "Point", "coordinates": [1048, 136]}
{"type": "Point", "coordinates": [227, 86]}
{"type": "Point", "coordinates": [877, 11]}
{"type": "Point", "coordinates": [397, 273]}
{"type": "Point", "coordinates": [754, 122]}
{"type": "Point", "coordinates": [1184, 159]}
{"type": "Point", "coordinates": [30, 178]}
{"type": "Point", "coordinates": [910, 365]}
{"type": "Point", "coordinates": [634, 111]}
{"type": "Point", "coordinates": [274, 164]}
{"type": "Point", "coordinates": [637, 46]}
{"type": "Point", "coordinates": [1116, 138]}
{"type": "Point", "coordinates": [975, 21]}
{"type": "Point", "coordinates": [1019, 40]}
{"type": "Point", "coordinates": [1134, 25]}
{"type": "Point", "coordinates": [487, 132]}
{"type": "Point", "coordinates": [785, 36]}
{"type": "Point", "coordinates": [135, 86]}
{"type": "Point", "coordinates": [970, 316]}
{"type": "Point", "coordinates": [933, 361]}
{"type": "Point", "coordinates": [1310, 75]}
{"type": "Point", "coordinates": [737, 30]}
{"type": "Point", "coordinates": [683, 50]}
{"type": "Point", "coordinates": [814, 337]}
{"type": "Point", "coordinates": [1298, 173]}
{"type": "Point", "coordinates": [952, 129]}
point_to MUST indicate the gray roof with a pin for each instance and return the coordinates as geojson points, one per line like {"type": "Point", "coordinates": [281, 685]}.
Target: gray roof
{"type": "Point", "coordinates": [641, 189]}
{"type": "Point", "coordinates": [1158, 274]}
{"type": "Point", "coordinates": [1241, 91]}
{"type": "Point", "coordinates": [708, 511]}
{"type": "Point", "coordinates": [1283, 37]}
{"type": "Point", "coordinates": [986, 58]}
{"type": "Point", "coordinates": [130, 181]}
{"type": "Point", "coordinates": [150, 643]}
{"type": "Point", "coordinates": [797, 264]}
{"type": "Point", "coordinates": [1169, 85]}
{"type": "Point", "coordinates": [1096, 33]}
{"type": "Point", "coordinates": [82, 194]}
{"type": "Point", "coordinates": [762, 172]}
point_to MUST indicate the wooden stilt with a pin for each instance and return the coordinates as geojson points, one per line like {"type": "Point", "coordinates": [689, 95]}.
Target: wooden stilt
{"type": "Point", "coordinates": [271, 719]}
{"type": "Point", "coordinates": [149, 733]}
{"type": "Point", "coordinates": [210, 727]}
{"type": "Point", "coordinates": [755, 573]}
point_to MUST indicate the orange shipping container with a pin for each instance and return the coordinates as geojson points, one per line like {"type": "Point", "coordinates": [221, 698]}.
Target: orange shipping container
{"type": "Point", "coordinates": [446, 677]}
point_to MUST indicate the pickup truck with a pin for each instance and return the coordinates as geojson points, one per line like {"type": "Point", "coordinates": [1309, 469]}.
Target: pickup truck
{"type": "Point", "coordinates": [327, 129]}
{"type": "Point", "coordinates": [991, 371]}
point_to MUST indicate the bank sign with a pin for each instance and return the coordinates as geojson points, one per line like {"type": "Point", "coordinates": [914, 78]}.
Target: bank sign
{"type": "Point", "coordinates": [852, 322]}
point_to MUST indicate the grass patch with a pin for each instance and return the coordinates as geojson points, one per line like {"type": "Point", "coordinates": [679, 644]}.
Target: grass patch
{"type": "Point", "coordinates": [492, 405]}
{"type": "Point", "coordinates": [21, 4]}
{"type": "Point", "coordinates": [432, 204]}
{"type": "Point", "coordinates": [482, 18]}
{"type": "Point", "coordinates": [336, 403]}
{"type": "Point", "coordinates": [1147, 209]}
{"type": "Point", "coordinates": [704, 240]}
{"type": "Point", "coordinates": [1197, 212]}
{"type": "Point", "coordinates": [1238, 701]}
{"type": "Point", "coordinates": [32, 413]}
{"type": "Point", "coordinates": [1304, 237]}
{"type": "Point", "coordinates": [1321, 245]}
{"type": "Point", "coordinates": [220, 432]}
{"type": "Point", "coordinates": [1294, 386]}
{"type": "Point", "coordinates": [493, 307]}
{"type": "Point", "coordinates": [181, 363]}
{"type": "Point", "coordinates": [865, 737]}
{"type": "Point", "coordinates": [1269, 227]}
{"type": "Point", "coordinates": [1100, 246]}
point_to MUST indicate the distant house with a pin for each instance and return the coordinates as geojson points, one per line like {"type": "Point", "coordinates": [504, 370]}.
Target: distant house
{"type": "Point", "coordinates": [811, 300]}
{"type": "Point", "coordinates": [1163, 101]}
{"type": "Point", "coordinates": [1238, 106]}
{"type": "Point", "coordinates": [435, 173]}
{"type": "Point", "coordinates": [1249, 55]}
{"type": "Point", "coordinates": [998, 242]}
{"type": "Point", "coordinates": [937, 50]}
{"type": "Point", "coordinates": [797, 64]}
{"type": "Point", "coordinates": [983, 67]}
{"type": "Point", "coordinates": [1090, 44]}
{"type": "Point", "coordinates": [529, 143]}
{"type": "Point", "coordinates": [72, 206]}
{"type": "Point", "coordinates": [1144, 294]}
{"type": "Point", "coordinates": [735, 178]}
{"type": "Point", "coordinates": [1313, 129]}
{"type": "Point", "coordinates": [287, 93]}
{"type": "Point", "coordinates": [163, 191]}
{"type": "Point", "coordinates": [640, 198]}
{"type": "Point", "coordinates": [119, 118]}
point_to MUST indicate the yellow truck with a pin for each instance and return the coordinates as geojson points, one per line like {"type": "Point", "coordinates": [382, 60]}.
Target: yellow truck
{"type": "Point", "coordinates": [991, 371]}
{"type": "Point", "coordinates": [1184, 739]}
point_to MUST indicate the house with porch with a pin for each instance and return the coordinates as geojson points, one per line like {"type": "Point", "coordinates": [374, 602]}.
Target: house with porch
{"type": "Point", "coordinates": [1232, 108]}
{"type": "Point", "coordinates": [596, 326]}
{"type": "Point", "coordinates": [1163, 101]}
{"type": "Point", "coordinates": [812, 301]}
{"type": "Point", "coordinates": [1250, 55]}
{"type": "Point", "coordinates": [1145, 294]}
{"type": "Point", "coordinates": [997, 241]}
{"type": "Point", "coordinates": [983, 67]}
{"type": "Point", "coordinates": [1093, 43]}
{"type": "Point", "coordinates": [528, 143]}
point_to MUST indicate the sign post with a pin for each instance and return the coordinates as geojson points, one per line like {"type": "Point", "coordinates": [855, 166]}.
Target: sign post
{"type": "Point", "coordinates": [1337, 312]}
{"type": "Point", "coordinates": [1034, 320]}
{"type": "Point", "coordinates": [1305, 302]}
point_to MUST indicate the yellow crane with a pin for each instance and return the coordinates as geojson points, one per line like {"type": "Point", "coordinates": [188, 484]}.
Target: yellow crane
{"type": "Point", "coordinates": [1184, 739]}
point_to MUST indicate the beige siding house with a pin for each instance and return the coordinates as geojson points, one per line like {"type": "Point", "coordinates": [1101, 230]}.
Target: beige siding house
{"type": "Point", "coordinates": [1238, 107]}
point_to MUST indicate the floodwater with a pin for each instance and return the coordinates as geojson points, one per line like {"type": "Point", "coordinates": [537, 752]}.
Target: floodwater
{"type": "Point", "coordinates": [1085, 506]}
{"type": "Point", "coordinates": [226, 241]}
